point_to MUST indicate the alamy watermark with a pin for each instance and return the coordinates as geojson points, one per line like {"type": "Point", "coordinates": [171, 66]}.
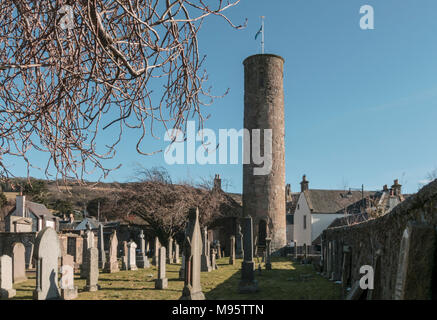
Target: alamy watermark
{"type": "Point", "coordinates": [254, 148]}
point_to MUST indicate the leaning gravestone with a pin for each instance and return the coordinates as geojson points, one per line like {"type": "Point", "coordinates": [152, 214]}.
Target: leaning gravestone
{"type": "Point", "coordinates": [132, 255]}
{"type": "Point", "coordinates": [68, 289]}
{"type": "Point", "coordinates": [6, 290]}
{"type": "Point", "coordinates": [112, 264]}
{"type": "Point", "coordinates": [205, 261]}
{"type": "Point", "coordinates": [248, 284]}
{"type": "Point", "coordinates": [93, 270]}
{"type": "Point", "coordinates": [18, 262]}
{"type": "Point", "coordinates": [162, 281]}
{"type": "Point", "coordinates": [88, 242]}
{"type": "Point", "coordinates": [101, 247]}
{"type": "Point", "coordinates": [192, 251]}
{"type": "Point", "coordinates": [415, 268]}
{"type": "Point", "coordinates": [46, 254]}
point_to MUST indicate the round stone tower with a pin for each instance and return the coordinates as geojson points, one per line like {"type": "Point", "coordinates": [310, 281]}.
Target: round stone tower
{"type": "Point", "coordinates": [264, 194]}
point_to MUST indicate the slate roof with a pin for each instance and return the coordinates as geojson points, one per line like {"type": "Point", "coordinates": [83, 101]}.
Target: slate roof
{"type": "Point", "coordinates": [93, 222]}
{"type": "Point", "coordinates": [335, 201]}
{"type": "Point", "coordinates": [291, 205]}
{"type": "Point", "coordinates": [37, 209]}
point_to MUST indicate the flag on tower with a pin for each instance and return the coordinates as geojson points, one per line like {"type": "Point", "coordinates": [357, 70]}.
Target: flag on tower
{"type": "Point", "coordinates": [259, 32]}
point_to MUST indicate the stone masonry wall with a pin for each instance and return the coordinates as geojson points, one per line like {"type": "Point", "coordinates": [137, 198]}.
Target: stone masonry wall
{"type": "Point", "coordinates": [264, 195]}
{"type": "Point", "coordinates": [379, 239]}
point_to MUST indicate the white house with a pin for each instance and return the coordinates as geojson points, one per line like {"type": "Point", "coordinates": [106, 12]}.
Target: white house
{"type": "Point", "coordinates": [315, 209]}
{"type": "Point", "coordinates": [28, 216]}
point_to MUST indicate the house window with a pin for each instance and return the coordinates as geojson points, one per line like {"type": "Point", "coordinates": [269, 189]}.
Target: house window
{"type": "Point", "coordinates": [304, 221]}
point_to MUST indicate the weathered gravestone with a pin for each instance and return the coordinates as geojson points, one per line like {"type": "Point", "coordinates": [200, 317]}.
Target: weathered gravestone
{"type": "Point", "coordinates": [239, 243]}
{"type": "Point", "coordinates": [46, 256]}
{"type": "Point", "coordinates": [248, 284]}
{"type": "Point", "coordinates": [162, 281]}
{"type": "Point", "coordinates": [88, 242]}
{"type": "Point", "coordinates": [112, 264]}
{"type": "Point", "coordinates": [6, 290]}
{"type": "Point", "coordinates": [213, 254]}
{"type": "Point", "coordinates": [416, 262]}
{"type": "Point", "coordinates": [176, 253]}
{"type": "Point", "coordinates": [92, 269]}
{"type": "Point", "coordinates": [192, 251]}
{"type": "Point", "coordinates": [182, 269]}
{"type": "Point", "coordinates": [156, 252]}
{"type": "Point", "coordinates": [170, 250]}
{"type": "Point", "coordinates": [18, 262]}
{"type": "Point", "coordinates": [101, 247]}
{"type": "Point", "coordinates": [68, 289]}
{"type": "Point", "coordinates": [268, 253]}
{"type": "Point", "coordinates": [219, 251]}
{"type": "Point", "coordinates": [124, 263]}
{"type": "Point", "coordinates": [132, 255]}
{"type": "Point", "coordinates": [346, 280]}
{"type": "Point", "coordinates": [232, 251]}
{"type": "Point", "coordinates": [205, 261]}
{"type": "Point", "coordinates": [142, 260]}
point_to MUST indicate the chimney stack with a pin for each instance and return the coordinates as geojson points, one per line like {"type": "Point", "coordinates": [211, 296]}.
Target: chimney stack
{"type": "Point", "coordinates": [396, 187]}
{"type": "Point", "coordinates": [304, 184]}
{"type": "Point", "coordinates": [217, 182]}
{"type": "Point", "coordinates": [20, 205]}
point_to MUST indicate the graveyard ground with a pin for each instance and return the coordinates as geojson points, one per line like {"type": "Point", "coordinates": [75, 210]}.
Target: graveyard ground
{"type": "Point", "coordinates": [286, 281]}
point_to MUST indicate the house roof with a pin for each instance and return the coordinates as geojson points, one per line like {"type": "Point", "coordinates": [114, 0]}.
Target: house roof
{"type": "Point", "coordinates": [93, 222]}
{"type": "Point", "coordinates": [334, 201]}
{"type": "Point", "coordinates": [37, 209]}
{"type": "Point", "coordinates": [291, 205]}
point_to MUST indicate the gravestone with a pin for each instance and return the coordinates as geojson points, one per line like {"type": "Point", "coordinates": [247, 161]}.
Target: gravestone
{"type": "Point", "coordinates": [18, 262]}
{"type": "Point", "coordinates": [416, 262]}
{"type": "Point", "coordinates": [232, 251]}
{"type": "Point", "coordinates": [88, 242]}
{"type": "Point", "coordinates": [162, 281]}
{"type": "Point", "coordinates": [142, 260]}
{"type": "Point", "coordinates": [346, 274]}
{"type": "Point", "coordinates": [68, 289]}
{"type": "Point", "coordinates": [124, 263]}
{"type": "Point", "coordinates": [268, 254]}
{"type": "Point", "coordinates": [112, 264]}
{"type": "Point", "coordinates": [182, 269]}
{"type": "Point", "coordinates": [205, 261]}
{"type": "Point", "coordinates": [6, 290]}
{"type": "Point", "coordinates": [170, 251]}
{"type": "Point", "coordinates": [239, 243]}
{"type": "Point", "coordinates": [132, 255]}
{"type": "Point", "coordinates": [47, 252]}
{"type": "Point", "coordinates": [248, 284]}
{"type": "Point", "coordinates": [213, 254]}
{"type": "Point", "coordinates": [192, 251]}
{"type": "Point", "coordinates": [219, 251]}
{"type": "Point", "coordinates": [176, 253]}
{"type": "Point", "coordinates": [101, 246]}
{"type": "Point", "coordinates": [156, 252]}
{"type": "Point", "coordinates": [93, 270]}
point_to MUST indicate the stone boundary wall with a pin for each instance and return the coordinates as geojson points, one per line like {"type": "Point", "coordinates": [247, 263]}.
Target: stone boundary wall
{"type": "Point", "coordinates": [26, 238]}
{"type": "Point", "coordinates": [377, 243]}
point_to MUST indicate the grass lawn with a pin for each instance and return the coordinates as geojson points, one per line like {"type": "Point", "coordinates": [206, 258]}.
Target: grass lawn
{"type": "Point", "coordinates": [286, 281]}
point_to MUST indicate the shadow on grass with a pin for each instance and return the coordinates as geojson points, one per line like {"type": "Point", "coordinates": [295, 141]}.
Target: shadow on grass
{"type": "Point", "coordinates": [285, 281]}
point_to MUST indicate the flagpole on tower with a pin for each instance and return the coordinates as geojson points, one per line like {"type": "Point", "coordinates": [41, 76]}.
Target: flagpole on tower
{"type": "Point", "coordinates": [262, 35]}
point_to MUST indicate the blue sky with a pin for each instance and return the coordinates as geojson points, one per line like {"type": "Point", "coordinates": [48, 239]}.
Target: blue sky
{"type": "Point", "coordinates": [360, 105]}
